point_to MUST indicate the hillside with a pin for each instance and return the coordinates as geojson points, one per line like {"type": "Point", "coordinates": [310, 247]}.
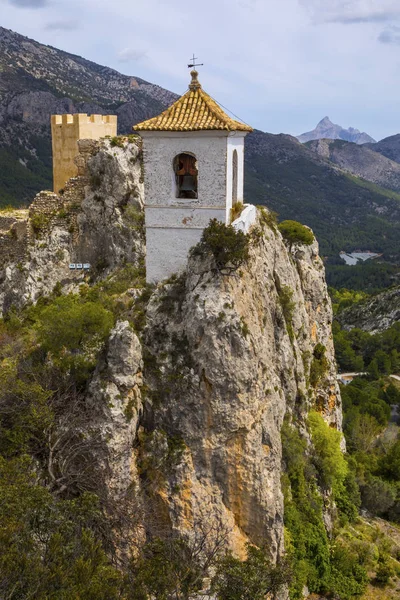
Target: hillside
{"type": "Point", "coordinates": [327, 129]}
{"type": "Point", "coordinates": [345, 212]}
{"type": "Point", "coordinates": [37, 81]}
{"type": "Point", "coordinates": [360, 160]}
{"type": "Point", "coordinates": [374, 314]}
{"type": "Point", "coordinates": [389, 147]}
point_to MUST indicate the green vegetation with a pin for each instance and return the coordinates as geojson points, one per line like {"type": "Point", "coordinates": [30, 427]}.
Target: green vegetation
{"type": "Point", "coordinates": [344, 298]}
{"type": "Point", "coordinates": [229, 248]}
{"type": "Point", "coordinates": [251, 579]}
{"type": "Point", "coordinates": [19, 183]}
{"type": "Point", "coordinates": [368, 477]}
{"type": "Point", "coordinates": [296, 233]}
{"type": "Point", "coordinates": [370, 277]}
{"type": "Point", "coordinates": [358, 350]}
{"type": "Point", "coordinates": [319, 365]}
{"type": "Point", "coordinates": [324, 565]}
{"type": "Point", "coordinates": [285, 295]}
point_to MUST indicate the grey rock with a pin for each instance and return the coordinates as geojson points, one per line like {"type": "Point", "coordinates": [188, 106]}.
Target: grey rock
{"type": "Point", "coordinates": [327, 129]}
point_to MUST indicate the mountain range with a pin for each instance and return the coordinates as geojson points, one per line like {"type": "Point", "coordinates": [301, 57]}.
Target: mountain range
{"type": "Point", "coordinates": [348, 193]}
{"type": "Point", "coordinates": [327, 129]}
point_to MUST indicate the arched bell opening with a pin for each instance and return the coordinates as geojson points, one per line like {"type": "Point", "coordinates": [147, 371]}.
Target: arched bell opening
{"type": "Point", "coordinates": [186, 176]}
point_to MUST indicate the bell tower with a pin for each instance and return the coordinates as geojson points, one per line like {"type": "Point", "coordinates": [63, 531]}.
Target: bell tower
{"type": "Point", "coordinates": [193, 172]}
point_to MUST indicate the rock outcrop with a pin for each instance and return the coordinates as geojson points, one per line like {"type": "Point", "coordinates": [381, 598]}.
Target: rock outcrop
{"type": "Point", "coordinates": [374, 314]}
{"type": "Point", "coordinates": [98, 220]}
{"type": "Point", "coordinates": [186, 413]}
{"type": "Point", "coordinates": [226, 357]}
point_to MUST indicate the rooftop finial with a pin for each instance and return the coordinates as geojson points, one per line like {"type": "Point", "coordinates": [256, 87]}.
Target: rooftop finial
{"type": "Point", "coordinates": [194, 84]}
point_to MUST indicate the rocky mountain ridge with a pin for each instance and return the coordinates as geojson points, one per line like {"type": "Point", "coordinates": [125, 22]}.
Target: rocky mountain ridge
{"type": "Point", "coordinates": [389, 147]}
{"type": "Point", "coordinates": [37, 81]}
{"type": "Point", "coordinates": [360, 160]}
{"type": "Point", "coordinates": [326, 129]}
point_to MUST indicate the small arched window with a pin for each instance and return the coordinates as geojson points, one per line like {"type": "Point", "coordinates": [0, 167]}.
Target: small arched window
{"type": "Point", "coordinates": [186, 176]}
{"type": "Point", "coordinates": [234, 177]}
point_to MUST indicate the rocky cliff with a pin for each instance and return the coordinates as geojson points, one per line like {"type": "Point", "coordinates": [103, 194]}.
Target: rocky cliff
{"type": "Point", "coordinates": [98, 220]}
{"type": "Point", "coordinates": [227, 357]}
{"type": "Point", "coordinates": [186, 406]}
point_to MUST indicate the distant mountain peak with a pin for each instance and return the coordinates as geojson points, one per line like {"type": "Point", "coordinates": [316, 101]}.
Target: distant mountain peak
{"type": "Point", "coordinates": [327, 129]}
{"type": "Point", "coordinates": [325, 121]}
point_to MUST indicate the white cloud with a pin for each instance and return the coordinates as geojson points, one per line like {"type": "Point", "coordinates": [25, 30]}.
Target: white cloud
{"type": "Point", "coordinates": [130, 54]}
{"type": "Point", "coordinates": [70, 25]}
{"type": "Point", "coordinates": [353, 11]}
{"type": "Point", "coordinates": [29, 3]}
{"type": "Point", "coordinates": [391, 35]}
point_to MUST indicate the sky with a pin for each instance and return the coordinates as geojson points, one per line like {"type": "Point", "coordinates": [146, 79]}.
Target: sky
{"type": "Point", "coordinates": [279, 65]}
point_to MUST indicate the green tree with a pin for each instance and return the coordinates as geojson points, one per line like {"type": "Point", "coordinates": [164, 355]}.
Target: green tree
{"type": "Point", "coordinates": [328, 456]}
{"type": "Point", "coordinates": [73, 331]}
{"type": "Point", "coordinates": [48, 548]}
{"type": "Point", "coordinates": [252, 579]}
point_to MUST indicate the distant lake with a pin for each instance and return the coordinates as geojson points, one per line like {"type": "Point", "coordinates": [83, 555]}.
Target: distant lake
{"type": "Point", "coordinates": [352, 258]}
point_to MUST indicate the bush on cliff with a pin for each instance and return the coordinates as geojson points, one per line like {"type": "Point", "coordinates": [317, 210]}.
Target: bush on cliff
{"type": "Point", "coordinates": [230, 248]}
{"type": "Point", "coordinates": [296, 233]}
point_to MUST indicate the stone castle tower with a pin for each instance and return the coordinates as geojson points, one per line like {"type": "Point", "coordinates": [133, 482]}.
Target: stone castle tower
{"type": "Point", "coordinates": [193, 172]}
{"type": "Point", "coordinates": [66, 130]}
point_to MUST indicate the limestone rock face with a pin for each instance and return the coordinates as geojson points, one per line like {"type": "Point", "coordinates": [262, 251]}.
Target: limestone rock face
{"type": "Point", "coordinates": [97, 220]}
{"type": "Point", "coordinates": [115, 399]}
{"type": "Point", "coordinates": [226, 357]}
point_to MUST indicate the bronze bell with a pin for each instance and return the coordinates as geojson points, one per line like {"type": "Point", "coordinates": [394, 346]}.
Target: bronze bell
{"type": "Point", "coordinates": [188, 184]}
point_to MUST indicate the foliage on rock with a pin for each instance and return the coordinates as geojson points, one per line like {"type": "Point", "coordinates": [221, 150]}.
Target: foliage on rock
{"type": "Point", "coordinates": [229, 248]}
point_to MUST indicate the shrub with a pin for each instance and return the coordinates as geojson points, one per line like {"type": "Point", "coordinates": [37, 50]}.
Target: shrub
{"type": "Point", "coordinates": [296, 233]}
{"type": "Point", "coordinates": [268, 218]}
{"type": "Point", "coordinates": [385, 571]}
{"type": "Point", "coordinates": [328, 457]}
{"type": "Point", "coordinates": [39, 221]}
{"type": "Point", "coordinates": [377, 496]}
{"type": "Point", "coordinates": [252, 579]}
{"type": "Point", "coordinates": [319, 365]}
{"type": "Point", "coordinates": [117, 141]}
{"type": "Point", "coordinates": [73, 332]}
{"type": "Point", "coordinates": [230, 248]}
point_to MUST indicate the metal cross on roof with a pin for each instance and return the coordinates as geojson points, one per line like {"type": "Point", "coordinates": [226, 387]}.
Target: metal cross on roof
{"type": "Point", "coordinates": [193, 63]}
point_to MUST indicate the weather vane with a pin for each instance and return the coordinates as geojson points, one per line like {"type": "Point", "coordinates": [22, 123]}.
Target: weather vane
{"type": "Point", "coordinates": [193, 64]}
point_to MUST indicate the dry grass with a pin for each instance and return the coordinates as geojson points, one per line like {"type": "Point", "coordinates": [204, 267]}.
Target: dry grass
{"type": "Point", "coordinates": [236, 211]}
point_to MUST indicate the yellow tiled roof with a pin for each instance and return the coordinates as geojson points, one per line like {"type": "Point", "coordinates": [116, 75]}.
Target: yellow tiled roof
{"type": "Point", "coordinates": [194, 111]}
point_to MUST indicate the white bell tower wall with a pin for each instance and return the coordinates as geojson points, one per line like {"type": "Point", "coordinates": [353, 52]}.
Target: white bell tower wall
{"type": "Point", "coordinates": [174, 225]}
